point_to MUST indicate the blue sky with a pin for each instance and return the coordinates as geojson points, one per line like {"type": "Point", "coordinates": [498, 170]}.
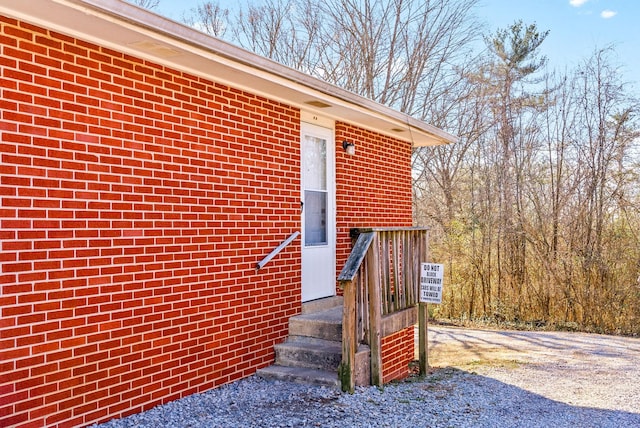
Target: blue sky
{"type": "Point", "coordinates": [577, 27]}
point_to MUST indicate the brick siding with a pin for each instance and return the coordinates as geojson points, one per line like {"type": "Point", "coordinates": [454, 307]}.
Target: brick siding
{"type": "Point", "coordinates": [135, 201]}
{"type": "Point", "coordinates": [373, 187]}
{"type": "Point", "coordinates": [397, 353]}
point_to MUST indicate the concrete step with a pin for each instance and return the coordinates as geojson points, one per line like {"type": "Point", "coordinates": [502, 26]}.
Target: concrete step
{"type": "Point", "coordinates": [313, 350]}
{"type": "Point", "coordinates": [325, 324]}
{"type": "Point", "coordinates": [321, 304]}
{"type": "Point", "coordinates": [309, 352]}
{"type": "Point", "coordinates": [300, 375]}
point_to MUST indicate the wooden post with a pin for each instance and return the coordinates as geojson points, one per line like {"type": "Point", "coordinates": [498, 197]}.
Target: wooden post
{"type": "Point", "coordinates": [423, 316]}
{"type": "Point", "coordinates": [395, 261]}
{"type": "Point", "coordinates": [384, 273]}
{"type": "Point", "coordinates": [375, 311]}
{"type": "Point", "coordinates": [349, 341]}
{"type": "Point", "coordinates": [423, 346]}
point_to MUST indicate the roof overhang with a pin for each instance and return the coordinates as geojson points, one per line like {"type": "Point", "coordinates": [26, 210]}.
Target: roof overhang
{"type": "Point", "coordinates": [124, 27]}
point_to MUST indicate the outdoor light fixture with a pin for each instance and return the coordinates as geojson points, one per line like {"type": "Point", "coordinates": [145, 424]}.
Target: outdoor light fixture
{"type": "Point", "coordinates": [349, 147]}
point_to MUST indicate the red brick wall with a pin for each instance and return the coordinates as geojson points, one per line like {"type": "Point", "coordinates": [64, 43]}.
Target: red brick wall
{"type": "Point", "coordinates": [397, 353]}
{"type": "Point", "coordinates": [135, 201]}
{"type": "Point", "coordinates": [373, 187]}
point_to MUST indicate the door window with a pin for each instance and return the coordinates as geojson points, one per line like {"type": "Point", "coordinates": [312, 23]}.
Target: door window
{"type": "Point", "coordinates": [315, 192]}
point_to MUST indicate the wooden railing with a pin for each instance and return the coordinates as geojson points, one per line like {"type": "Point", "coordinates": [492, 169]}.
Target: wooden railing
{"type": "Point", "coordinates": [380, 278]}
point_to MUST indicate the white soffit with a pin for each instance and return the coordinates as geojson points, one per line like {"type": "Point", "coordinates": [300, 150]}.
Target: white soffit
{"type": "Point", "coordinates": [122, 26]}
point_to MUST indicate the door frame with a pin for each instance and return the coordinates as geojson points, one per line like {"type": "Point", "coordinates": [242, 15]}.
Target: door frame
{"type": "Point", "coordinates": [319, 281]}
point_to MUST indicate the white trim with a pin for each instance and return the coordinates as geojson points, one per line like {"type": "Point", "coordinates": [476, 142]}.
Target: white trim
{"type": "Point", "coordinates": [318, 120]}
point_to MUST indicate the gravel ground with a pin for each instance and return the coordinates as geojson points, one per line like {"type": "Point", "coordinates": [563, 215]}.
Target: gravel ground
{"type": "Point", "coordinates": [480, 378]}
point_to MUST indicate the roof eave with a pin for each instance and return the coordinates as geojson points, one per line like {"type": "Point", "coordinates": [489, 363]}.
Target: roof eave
{"type": "Point", "coordinates": [122, 26]}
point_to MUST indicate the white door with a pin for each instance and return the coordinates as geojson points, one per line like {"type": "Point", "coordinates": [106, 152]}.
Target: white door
{"type": "Point", "coordinates": [318, 212]}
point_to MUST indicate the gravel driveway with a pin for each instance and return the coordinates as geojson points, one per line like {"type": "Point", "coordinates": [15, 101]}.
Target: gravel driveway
{"type": "Point", "coordinates": [577, 369]}
{"type": "Point", "coordinates": [480, 378]}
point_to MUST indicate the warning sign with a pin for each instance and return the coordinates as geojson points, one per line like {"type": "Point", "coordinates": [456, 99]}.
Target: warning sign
{"type": "Point", "coordinates": [431, 276]}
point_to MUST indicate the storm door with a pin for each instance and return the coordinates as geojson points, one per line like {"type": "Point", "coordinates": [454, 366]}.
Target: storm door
{"type": "Point", "coordinates": [318, 212]}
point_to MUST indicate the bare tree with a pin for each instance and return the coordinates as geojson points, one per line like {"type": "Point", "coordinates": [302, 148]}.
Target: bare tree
{"type": "Point", "coordinates": [401, 53]}
{"type": "Point", "coordinates": [444, 194]}
{"type": "Point", "coordinates": [514, 66]}
{"type": "Point", "coordinates": [537, 217]}
{"type": "Point", "coordinates": [607, 126]}
{"type": "Point", "coordinates": [287, 31]}
{"type": "Point", "coordinates": [147, 4]}
{"type": "Point", "coordinates": [209, 17]}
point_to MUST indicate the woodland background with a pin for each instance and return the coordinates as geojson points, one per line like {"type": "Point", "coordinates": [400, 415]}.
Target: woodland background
{"type": "Point", "coordinates": [535, 212]}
